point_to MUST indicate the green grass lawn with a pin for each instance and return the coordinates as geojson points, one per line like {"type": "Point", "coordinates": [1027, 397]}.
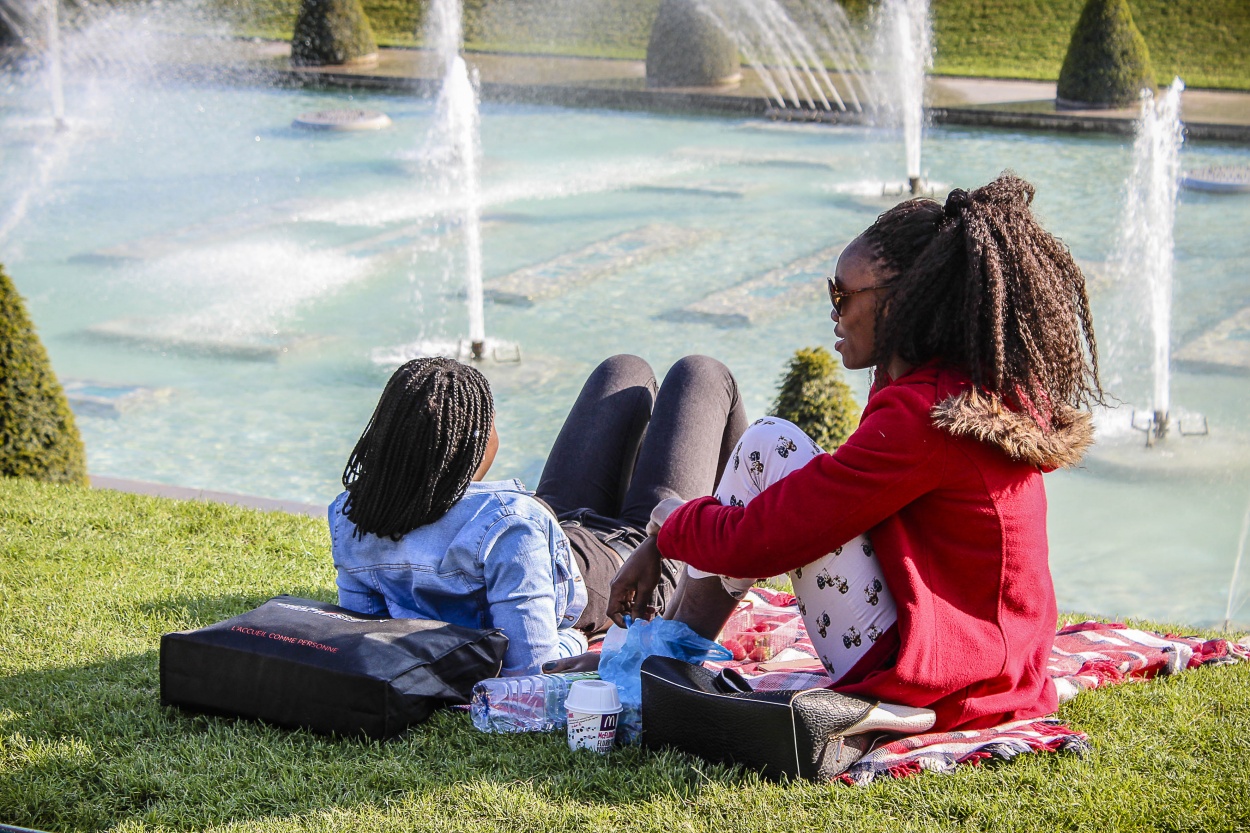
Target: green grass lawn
{"type": "Point", "coordinates": [1203, 41]}
{"type": "Point", "coordinates": [90, 580]}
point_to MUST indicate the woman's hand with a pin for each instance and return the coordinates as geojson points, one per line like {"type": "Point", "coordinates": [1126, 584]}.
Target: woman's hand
{"type": "Point", "coordinates": [581, 662]}
{"type": "Point", "coordinates": [634, 585]}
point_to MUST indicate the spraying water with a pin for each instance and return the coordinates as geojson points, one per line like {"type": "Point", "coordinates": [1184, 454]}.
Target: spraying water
{"type": "Point", "coordinates": [790, 47]}
{"type": "Point", "coordinates": [904, 55]}
{"type": "Point", "coordinates": [1145, 246]}
{"type": "Point", "coordinates": [55, 80]}
{"type": "Point", "coordinates": [1229, 609]}
{"type": "Point", "coordinates": [453, 147]}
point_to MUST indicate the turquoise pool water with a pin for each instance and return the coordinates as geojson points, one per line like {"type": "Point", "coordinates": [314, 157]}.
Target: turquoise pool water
{"type": "Point", "coordinates": [224, 290]}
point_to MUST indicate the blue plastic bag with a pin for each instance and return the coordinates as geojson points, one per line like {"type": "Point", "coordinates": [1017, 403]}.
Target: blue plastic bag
{"type": "Point", "coordinates": [621, 663]}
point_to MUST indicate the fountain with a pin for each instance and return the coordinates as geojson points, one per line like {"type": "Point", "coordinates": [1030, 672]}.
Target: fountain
{"type": "Point", "coordinates": [1145, 250]}
{"type": "Point", "coordinates": [450, 157]}
{"type": "Point", "coordinates": [1233, 601]}
{"type": "Point", "coordinates": [265, 269]}
{"type": "Point", "coordinates": [55, 81]}
{"type": "Point", "coordinates": [903, 56]}
{"type": "Point", "coordinates": [1143, 263]}
{"type": "Point", "coordinates": [790, 46]}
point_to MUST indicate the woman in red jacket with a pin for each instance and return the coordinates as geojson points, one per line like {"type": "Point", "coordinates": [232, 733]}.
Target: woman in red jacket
{"type": "Point", "coordinates": [977, 323]}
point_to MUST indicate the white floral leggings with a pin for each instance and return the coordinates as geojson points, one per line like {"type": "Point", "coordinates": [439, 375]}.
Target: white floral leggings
{"type": "Point", "coordinates": [842, 595]}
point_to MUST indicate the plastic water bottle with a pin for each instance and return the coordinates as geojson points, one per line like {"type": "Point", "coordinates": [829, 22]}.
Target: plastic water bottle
{"type": "Point", "coordinates": [523, 704]}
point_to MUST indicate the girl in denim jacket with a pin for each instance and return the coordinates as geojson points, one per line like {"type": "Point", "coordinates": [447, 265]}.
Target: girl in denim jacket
{"type": "Point", "coordinates": [420, 533]}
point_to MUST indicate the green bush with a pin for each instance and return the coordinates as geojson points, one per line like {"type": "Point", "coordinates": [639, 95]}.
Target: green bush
{"type": "Point", "coordinates": [688, 49]}
{"type": "Point", "coordinates": [38, 437]}
{"type": "Point", "coordinates": [331, 32]}
{"type": "Point", "coordinates": [813, 396]}
{"type": "Point", "coordinates": [1108, 63]}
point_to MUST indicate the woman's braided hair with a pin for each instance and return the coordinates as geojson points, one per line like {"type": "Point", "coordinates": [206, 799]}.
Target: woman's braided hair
{"type": "Point", "coordinates": [980, 284]}
{"type": "Point", "coordinates": [422, 445]}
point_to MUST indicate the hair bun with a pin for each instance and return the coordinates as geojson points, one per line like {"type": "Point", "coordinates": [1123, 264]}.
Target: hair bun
{"type": "Point", "coordinates": [956, 202]}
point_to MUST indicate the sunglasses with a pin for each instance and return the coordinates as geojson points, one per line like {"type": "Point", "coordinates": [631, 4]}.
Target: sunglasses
{"type": "Point", "coordinates": [838, 297]}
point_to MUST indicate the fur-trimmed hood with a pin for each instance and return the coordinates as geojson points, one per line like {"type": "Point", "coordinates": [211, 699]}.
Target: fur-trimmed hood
{"type": "Point", "coordinates": [985, 418]}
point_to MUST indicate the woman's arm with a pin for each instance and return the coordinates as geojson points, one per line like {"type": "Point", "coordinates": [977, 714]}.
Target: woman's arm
{"type": "Point", "coordinates": [893, 458]}
{"type": "Point", "coordinates": [517, 556]}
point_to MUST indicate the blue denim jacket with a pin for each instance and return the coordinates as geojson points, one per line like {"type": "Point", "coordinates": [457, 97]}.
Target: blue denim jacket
{"type": "Point", "coordinates": [496, 559]}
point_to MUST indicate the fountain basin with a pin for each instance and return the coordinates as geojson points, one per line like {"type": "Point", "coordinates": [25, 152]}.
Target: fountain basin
{"type": "Point", "coordinates": [229, 217]}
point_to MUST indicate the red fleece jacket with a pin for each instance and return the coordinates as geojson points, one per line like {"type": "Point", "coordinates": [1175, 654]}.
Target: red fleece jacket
{"type": "Point", "coordinates": [960, 529]}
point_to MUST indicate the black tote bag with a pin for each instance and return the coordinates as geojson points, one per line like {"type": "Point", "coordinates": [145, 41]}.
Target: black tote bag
{"type": "Point", "coordinates": [796, 734]}
{"type": "Point", "coordinates": [307, 664]}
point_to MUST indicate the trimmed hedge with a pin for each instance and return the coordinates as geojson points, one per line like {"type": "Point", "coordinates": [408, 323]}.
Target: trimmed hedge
{"type": "Point", "coordinates": [813, 396]}
{"type": "Point", "coordinates": [1108, 63]}
{"type": "Point", "coordinates": [38, 437]}
{"type": "Point", "coordinates": [688, 49]}
{"type": "Point", "coordinates": [329, 32]}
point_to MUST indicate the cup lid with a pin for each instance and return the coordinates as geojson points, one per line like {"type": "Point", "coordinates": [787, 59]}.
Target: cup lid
{"type": "Point", "coordinates": [593, 697]}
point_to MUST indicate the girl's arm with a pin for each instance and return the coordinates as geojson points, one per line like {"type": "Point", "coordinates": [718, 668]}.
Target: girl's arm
{"type": "Point", "coordinates": [355, 595]}
{"type": "Point", "coordinates": [517, 557]}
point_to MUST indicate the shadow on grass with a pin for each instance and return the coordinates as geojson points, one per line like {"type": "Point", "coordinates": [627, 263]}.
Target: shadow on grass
{"type": "Point", "coordinates": [198, 611]}
{"type": "Point", "coordinates": [89, 746]}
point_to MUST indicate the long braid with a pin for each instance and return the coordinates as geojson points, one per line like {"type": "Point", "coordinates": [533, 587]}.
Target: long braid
{"type": "Point", "coordinates": [426, 438]}
{"type": "Point", "coordinates": [979, 283]}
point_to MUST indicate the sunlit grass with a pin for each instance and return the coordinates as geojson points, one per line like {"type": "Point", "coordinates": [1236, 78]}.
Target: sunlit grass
{"type": "Point", "coordinates": [90, 580]}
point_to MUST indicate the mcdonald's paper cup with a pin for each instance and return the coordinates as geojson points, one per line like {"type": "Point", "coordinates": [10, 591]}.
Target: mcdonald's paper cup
{"type": "Point", "coordinates": [593, 707]}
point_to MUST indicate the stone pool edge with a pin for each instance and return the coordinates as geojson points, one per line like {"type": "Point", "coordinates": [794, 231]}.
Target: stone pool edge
{"type": "Point", "coordinates": [1212, 115]}
{"type": "Point", "coordinates": [264, 504]}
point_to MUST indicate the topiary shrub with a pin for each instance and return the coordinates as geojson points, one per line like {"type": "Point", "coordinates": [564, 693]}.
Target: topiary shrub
{"type": "Point", "coordinates": [813, 396]}
{"type": "Point", "coordinates": [38, 437]}
{"type": "Point", "coordinates": [688, 49]}
{"type": "Point", "coordinates": [1107, 64]}
{"type": "Point", "coordinates": [329, 32]}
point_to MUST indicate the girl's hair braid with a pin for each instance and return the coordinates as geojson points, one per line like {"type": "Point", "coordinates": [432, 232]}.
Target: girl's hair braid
{"type": "Point", "coordinates": [422, 445]}
{"type": "Point", "coordinates": [980, 284]}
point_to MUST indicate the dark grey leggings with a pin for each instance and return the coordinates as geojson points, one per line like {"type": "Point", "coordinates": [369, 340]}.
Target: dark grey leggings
{"type": "Point", "coordinates": [624, 448]}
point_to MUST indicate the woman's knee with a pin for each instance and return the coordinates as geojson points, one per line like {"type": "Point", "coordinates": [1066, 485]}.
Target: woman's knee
{"type": "Point", "coordinates": [618, 373]}
{"type": "Point", "coordinates": [703, 373]}
{"type": "Point", "coordinates": [625, 366]}
{"type": "Point", "coordinates": [770, 449]}
{"type": "Point", "coordinates": [779, 437]}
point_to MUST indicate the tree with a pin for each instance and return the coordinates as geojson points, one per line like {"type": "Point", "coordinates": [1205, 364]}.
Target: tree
{"type": "Point", "coordinates": [38, 437]}
{"type": "Point", "coordinates": [329, 32]}
{"type": "Point", "coordinates": [1108, 63]}
{"type": "Point", "coordinates": [813, 396]}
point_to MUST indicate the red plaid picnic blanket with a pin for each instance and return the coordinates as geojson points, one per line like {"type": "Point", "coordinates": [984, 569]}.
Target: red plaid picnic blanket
{"type": "Point", "coordinates": [1086, 655]}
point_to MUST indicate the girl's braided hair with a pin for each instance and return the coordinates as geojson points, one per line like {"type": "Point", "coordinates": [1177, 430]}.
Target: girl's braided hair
{"type": "Point", "coordinates": [422, 445]}
{"type": "Point", "coordinates": [980, 284]}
